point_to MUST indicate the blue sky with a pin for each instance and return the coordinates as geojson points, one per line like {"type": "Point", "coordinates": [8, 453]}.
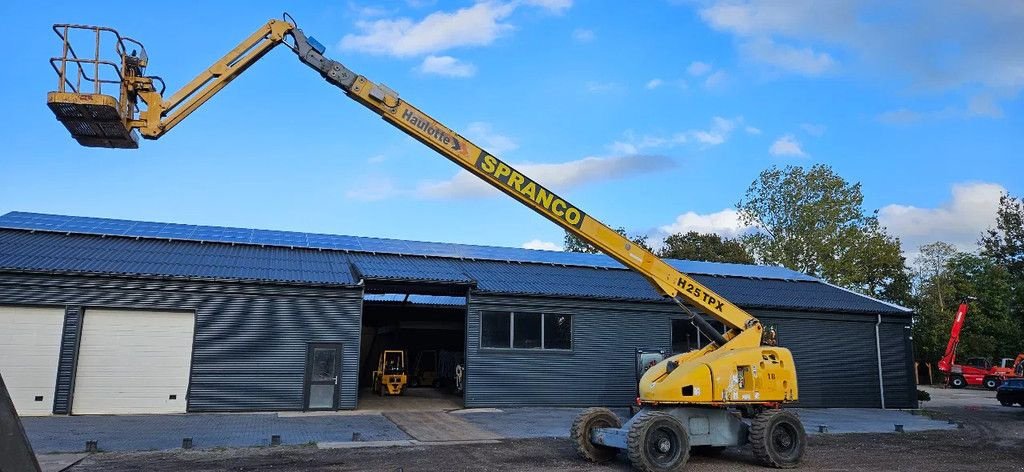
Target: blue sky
{"type": "Point", "coordinates": [655, 117]}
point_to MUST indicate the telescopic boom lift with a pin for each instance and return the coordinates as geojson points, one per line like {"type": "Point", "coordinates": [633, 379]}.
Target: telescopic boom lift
{"type": "Point", "coordinates": [741, 373]}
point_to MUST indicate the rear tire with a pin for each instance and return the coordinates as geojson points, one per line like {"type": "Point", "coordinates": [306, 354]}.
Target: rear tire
{"type": "Point", "coordinates": [957, 382]}
{"type": "Point", "coordinates": [778, 439]}
{"type": "Point", "coordinates": [580, 433]}
{"type": "Point", "coordinates": [657, 442]}
{"type": "Point", "coordinates": [991, 383]}
{"type": "Point", "coordinates": [1005, 403]}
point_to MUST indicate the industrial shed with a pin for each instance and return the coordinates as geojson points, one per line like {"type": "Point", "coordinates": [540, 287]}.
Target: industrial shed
{"type": "Point", "coordinates": [105, 316]}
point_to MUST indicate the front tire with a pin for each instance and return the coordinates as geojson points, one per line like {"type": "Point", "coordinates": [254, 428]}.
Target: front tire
{"type": "Point", "coordinates": [991, 383]}
{"type": "Point", "coordinates": [657, 442]}
{"type": "Point", "coordinates": [580, 433]}
{"type": "Point", "coordinates": [1005, 403]}
{"type": "Point", "coordinates": [778, 439]}
{"type": "Point", "coordinates": [957, 382]}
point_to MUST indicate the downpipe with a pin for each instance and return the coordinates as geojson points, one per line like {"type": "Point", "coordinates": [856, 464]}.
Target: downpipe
{"type": "Point", "coordinates": [878, 353]}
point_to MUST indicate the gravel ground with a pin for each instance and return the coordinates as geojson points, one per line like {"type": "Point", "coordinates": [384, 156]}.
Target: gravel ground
{"type": "Point", "coordinates": [992, 439]}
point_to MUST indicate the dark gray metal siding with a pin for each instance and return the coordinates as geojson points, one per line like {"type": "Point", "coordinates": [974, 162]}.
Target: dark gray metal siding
{"type": "Point", "coordinates": [250, 339]}
{"type": "Point", "coordinates": [67, 360]}
{"type": "Point", "coordinates": [835, 354]}
{"type": "Point", "coordinates": [898, 364]}
{"type": "Point", "coordinates": [598, 371]}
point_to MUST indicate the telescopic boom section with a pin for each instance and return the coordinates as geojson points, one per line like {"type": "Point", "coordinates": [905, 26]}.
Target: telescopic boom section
{"type": "Point", "coordinates": [680, 287]}
{"type": "Point", "coordinates": [949, 358]}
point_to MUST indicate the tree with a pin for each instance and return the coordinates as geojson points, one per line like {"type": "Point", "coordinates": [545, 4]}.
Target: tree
{"type": "Point", "coordinates": [575, 244]}
{"type": "Point", "coordinates": [991, 329]}
{"type": "Point", "coordinates": [1005, 242]}
{"type": "Point", "coordinates": [812, 221]}
{"type": "Point", "coordinates": [709, 247]}
{"type": "Point", "coordinates": [934, 300]}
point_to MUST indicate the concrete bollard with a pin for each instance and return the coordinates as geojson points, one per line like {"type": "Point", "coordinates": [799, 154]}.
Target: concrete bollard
{"type": "Point", "coordinates": [822, 428]}
{"type": "Point", "coordinates": [899, 428]}
{"type": "Point", "coordinates": [92, 446]}
{"type": "Point", "coordinates": [357, 436]}
{"type": "Point", "coordinates": [186, 443]}
{"type": "Point", "coordinates": [275, 440]}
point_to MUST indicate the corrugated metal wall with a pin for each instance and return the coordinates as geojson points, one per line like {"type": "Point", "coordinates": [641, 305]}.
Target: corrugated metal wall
{"type": "Point", "coordinates": [835, 353]}
{"type": "Point", "coordinates": [898, 363]}
{"type": "Point", "coordinates": [250, 343]}
{"type": "Point", "coordinates": [598, 371]}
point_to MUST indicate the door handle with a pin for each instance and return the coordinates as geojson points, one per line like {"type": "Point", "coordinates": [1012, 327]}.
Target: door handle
{"type": "Point", "coordinates": [335, 380]}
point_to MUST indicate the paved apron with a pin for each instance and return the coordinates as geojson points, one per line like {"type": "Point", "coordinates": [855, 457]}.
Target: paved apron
{"type": "Point", "coordinates": [438, 426]}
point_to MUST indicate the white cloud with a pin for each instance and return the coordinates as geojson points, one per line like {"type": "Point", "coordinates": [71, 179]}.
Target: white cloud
{"type": "Point", "coordinates": [601, 87]}
{"type": "Point", "coordinates": [583, 35]}
{"type": "Point", "coordinates": [483, 134]}
{"type": "Point", "coordinates": [541, 245]}
{"type": "Point", "coordinates": [553, 6]}
{"type": "Point", "coordinates": [377, 159]}
{"type": "Point", "coordinates": [446, 66]}
{"type": "Point", "coordinates": [716, 79]}
{"type": "Point", "coordinates": [368, 11]}
{"type": "Point", "coordinates": [752, 130]}
{"type": "Point", "coordinates": [787, 145]}
{"type": "Point", "coordinates": [373, 189]}
{"type": "Point", "coordinates": [800, 60]}
{"type": "Point", "coordinates": [558, 177]}
{"type": "Point", "coordinates": [813, 129]}
{"type": "Point", "coordinates": [984, 105]}
{"type": "Point", "coordinates": [901, 116]}
{"type": "Point", "coordinates": [698, 68]}
{"type": "Point", "coordinates": [978, 106]}
{"type": "Point", "coordinates": [906, 41]}
{"type": "Point", "coordinates": [958, 221]}
{"type": "Point", "coordinates": [478, 25]}
{"type": "Point", "coordinates": [717, 133]}
{"type": "Point", "coordinates": [653, 84]}
{"type": "Point", "coordinates": [725, 223]}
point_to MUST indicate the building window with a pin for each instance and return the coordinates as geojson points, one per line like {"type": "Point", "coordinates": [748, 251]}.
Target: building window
{"type": "Point", "coordinates": [527, 331]}
{"type": "Point", "coordinates": [521, 330]}
{"type": "Point", "coordinates": [496, 329]}
{"type": "Point", "coordinates": [686, 337]}
{"type": "Point", "coordinates": [557, 331]}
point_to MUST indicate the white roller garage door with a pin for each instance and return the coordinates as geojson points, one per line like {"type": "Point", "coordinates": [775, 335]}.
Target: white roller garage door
{"type": "Point", "coordinates": [29, 349]}
{"type": "Point", "coordinates": [133, 362]}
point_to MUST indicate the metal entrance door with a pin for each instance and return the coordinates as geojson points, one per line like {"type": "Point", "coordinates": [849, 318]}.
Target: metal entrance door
{"type": "Point", "coordinates": [323, 369]}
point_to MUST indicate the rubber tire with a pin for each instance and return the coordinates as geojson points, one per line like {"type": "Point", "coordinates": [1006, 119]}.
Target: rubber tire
{"type": "Point", "coordinates": [1006, 403]}
{"type": "Point", "coordinates": [707, 451]}
{"type": "Point", "coordinates": [643, 426]}
{"type": "Point", "coordinates": [762, 431]}
{"type": "Point", "coordinates": [580, 434]}
{"type": "Point", "coordinates": [957, 382]}
{"type": "Point", "coordinates": [990, 384]}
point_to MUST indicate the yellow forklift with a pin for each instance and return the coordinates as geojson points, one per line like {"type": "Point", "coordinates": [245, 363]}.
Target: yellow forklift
{"type": "Point", "coordinates": [390, 377]}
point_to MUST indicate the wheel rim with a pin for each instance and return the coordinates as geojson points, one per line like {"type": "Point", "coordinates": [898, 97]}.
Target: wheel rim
{"type": "Point", "coordinates": [785, 439]}
{"type": "Point", "coordinates": [663, 446]}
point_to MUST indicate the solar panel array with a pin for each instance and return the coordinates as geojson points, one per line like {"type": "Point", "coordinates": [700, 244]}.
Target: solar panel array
{"type": "Point", "coordinates": [261, 237]}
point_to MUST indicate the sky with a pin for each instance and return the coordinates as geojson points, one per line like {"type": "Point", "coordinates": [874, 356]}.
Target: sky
{"type": "Point", "coordinates": [656, 117]}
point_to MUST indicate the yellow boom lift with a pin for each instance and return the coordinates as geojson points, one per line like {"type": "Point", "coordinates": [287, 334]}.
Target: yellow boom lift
{"type": "Point", "coordinates": [727, 393]}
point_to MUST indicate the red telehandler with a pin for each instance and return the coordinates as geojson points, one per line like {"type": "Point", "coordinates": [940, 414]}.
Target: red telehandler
{"type": "Point", "coordinates": [976, 371]}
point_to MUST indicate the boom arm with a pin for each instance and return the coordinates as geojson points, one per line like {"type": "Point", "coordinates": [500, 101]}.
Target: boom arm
{"type": "Point", "coordinates": [948, 359]}
{"type": "Point", "coordinates": [114, 125]}
{"type": "Point", "coordinates": [499, 174]}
